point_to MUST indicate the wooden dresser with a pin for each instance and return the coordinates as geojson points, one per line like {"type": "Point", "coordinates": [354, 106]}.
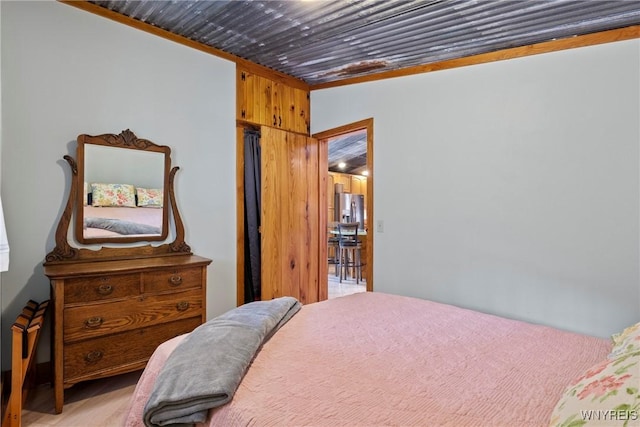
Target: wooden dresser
{"type": "Point", "coordinates": [113, 305]}
{"type": "Point", "coordinates": [109, 316]}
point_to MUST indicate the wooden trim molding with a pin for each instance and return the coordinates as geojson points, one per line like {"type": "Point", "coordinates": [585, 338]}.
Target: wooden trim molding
{"type": "Point", "coordinates": [366, 124]}
{"type": "Point", "coordinates": [609, 36]}
{"type": "Point", "coordinates": [240, 265]}
{"type": "Point", "coordinates": [348, 128]}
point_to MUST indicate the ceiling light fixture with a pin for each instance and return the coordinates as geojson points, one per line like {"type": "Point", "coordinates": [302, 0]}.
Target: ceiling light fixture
{"type": "Point", "coordinates": [342, 165]}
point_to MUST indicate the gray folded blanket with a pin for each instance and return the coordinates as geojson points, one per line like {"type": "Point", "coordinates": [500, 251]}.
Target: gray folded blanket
{"type": "Point", "coordinates": [205, 369]}
{"type": "Point", "coordinates": [121, 226]}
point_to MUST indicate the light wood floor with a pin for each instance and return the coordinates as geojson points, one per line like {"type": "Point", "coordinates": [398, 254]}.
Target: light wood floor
{"type": "Point", "coordinates": [347, 287]}
{"type": "Point", "coordinates": [103, 403]}
{"type": "Point", "coordinates": [99, 403]}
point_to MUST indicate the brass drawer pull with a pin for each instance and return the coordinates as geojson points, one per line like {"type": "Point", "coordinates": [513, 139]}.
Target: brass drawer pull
{"type": "Point", "coordinates": [93, 356]}
{"type": "Point", "coordinates": [175, 280]}
{"type": "Point", "coordinates": [105, 289]}
{"type": "Point", "coordinates": [93, 322]}
{"type": "Point", "coordinates": [182, 305]}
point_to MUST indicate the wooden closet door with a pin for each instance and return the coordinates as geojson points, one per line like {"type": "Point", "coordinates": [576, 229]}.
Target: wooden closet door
{"type": "Point", "coordinates": [293, 212]}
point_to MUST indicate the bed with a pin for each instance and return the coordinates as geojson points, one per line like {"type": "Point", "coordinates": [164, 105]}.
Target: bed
{"type": "Point", "coordinates": [118, 221]}
{"type": "Point", "coordinates": [121, 210]}
{"type": "Point", "coordinates": [374, 359]}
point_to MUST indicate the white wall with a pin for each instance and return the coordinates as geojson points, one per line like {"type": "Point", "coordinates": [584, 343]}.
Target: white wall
{"type": "Point", "coordinates": [510, 187]}
{"type": "Point", "coordinates": [110, 164]}
{"type": "Point", "coordinates": [66, 72]}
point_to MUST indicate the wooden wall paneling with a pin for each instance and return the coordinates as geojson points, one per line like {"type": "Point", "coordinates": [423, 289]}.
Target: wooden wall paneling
{"type": "Point", "coordinates": [291, 245]}
{"type": "Point", "coordinates": [270, 213]}
{"type": "Point", "coordinates": [263, 100]}
{"type": "Point", "coordinates": [268, 102]}
{"type": "Point", "coordinates": [289, 224]}
{"type": "Point", "coordinates": [310, 218]}
{"type": "Point", "coordinates": [289, 119]}
{"type": "Point", "coordinates": [253, 98]}
{"type": "Point", "coordinates": [302, 112]}
{"type": "Point", "coordinates": [294, 108]}
{"type": "Point", "coordinates": [242, 94]}
{"type": "Point", "coordinates": [276, 106]}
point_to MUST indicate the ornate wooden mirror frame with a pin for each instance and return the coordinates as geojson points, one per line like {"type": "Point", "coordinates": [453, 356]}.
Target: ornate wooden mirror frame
{"type": "Point", "coordinates": [64, 251]}
{"type": "Point", "coordinates": [125, 186]}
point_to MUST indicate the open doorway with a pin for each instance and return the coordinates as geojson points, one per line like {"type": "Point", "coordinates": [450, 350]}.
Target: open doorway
{"type": "Point", "coordinates": [349, 178]}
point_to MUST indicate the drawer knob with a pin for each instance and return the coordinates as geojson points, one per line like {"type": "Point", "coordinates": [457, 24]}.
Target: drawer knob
{"type": "Point", "coordinates": [182, 305]}
{"type": "Point", "coordinates": [93, 322]}
{"type": "Point", "coordinates": [175, 280]}
{"type": "Point", "coordinates": [105, 289]}
{"type": "Point", "coordinates": [93, 356]}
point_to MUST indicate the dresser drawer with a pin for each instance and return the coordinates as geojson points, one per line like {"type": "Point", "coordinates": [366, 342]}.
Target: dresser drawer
{"type": "Point", "coordinates": [90, 357]}
{"type": "Point", "coordinates": [94, 320]}
{"type": "Point", "coordinates": [171, 280]}
{"type": "Point", "coordinates": [97, 288]}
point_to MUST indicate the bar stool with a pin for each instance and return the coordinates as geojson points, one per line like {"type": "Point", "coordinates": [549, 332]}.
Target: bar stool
{"type": "Point", "coordinates": [350, 248]}
{"type": "Point", "coordinates": [333, 249]}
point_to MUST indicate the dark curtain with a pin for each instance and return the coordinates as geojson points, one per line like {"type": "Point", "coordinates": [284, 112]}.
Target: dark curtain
{"type": "Point", "coordinates": [251, 216]}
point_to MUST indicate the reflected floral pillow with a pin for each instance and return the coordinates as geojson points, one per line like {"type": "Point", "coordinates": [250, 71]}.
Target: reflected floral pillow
{"type": "Point", "coordinates": [606, 395]}
{"type": "Point", "coordinates": [626, 342]}
{"type": "Point", "coordinates": [113, 195]}
{"type": "Point", "coordinates": [149, 197]}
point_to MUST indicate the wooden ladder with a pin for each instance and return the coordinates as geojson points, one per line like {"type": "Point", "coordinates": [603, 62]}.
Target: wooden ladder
{"type": "Point", "coordinates": [26, 331]}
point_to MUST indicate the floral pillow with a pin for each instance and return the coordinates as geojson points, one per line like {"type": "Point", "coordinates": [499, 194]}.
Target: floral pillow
{"type": "Point", "coordinates": [113, 195]}
{"type": "Point", "coordinates": [149, 197]}
{"type": "Point", "coordinates": [626, 341]}
{"type": "Point", "coordinates": [606, 395]}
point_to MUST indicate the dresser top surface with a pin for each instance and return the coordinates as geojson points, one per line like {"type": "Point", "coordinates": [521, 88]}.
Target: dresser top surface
{"type": "Point", "coordinates": [75, 269]}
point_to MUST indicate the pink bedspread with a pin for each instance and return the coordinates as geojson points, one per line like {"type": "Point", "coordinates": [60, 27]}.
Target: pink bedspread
{"type": "Point", "coordinates": [374, 359]}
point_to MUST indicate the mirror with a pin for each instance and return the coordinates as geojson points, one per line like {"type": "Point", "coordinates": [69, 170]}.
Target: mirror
{"type": "Point", "coordinates": [122, 189]}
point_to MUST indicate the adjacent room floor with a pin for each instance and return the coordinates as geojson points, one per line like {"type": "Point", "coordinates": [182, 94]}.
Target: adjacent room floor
{"type": "Point", "coordinates": [347, 287]}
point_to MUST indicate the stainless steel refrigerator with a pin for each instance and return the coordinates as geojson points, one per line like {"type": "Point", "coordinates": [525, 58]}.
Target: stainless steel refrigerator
{"type": "Point", "coordinates": [349, 208]}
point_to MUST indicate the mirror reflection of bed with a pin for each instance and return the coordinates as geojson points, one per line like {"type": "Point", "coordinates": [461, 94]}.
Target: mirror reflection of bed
{"type": "Point", "coordinates": [123, 193]}
{"type": "Point", "coordinates": [121, 221]}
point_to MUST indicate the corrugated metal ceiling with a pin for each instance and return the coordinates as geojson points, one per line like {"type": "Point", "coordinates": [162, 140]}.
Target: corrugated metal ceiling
{"type": "Point", "coordinates": [350, 150]}
{"type": "Point", "coordinates": [322, 41]}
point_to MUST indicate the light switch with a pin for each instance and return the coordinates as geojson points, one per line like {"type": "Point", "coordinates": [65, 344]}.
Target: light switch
{"type": "Point", "coordinates": [380, 226]}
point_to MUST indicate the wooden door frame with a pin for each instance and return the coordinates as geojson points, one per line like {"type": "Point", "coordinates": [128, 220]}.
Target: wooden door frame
{"type": "Point", "coordinates": [367, 125]}
{"type": "Point", "coordinates": [240, 128]}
